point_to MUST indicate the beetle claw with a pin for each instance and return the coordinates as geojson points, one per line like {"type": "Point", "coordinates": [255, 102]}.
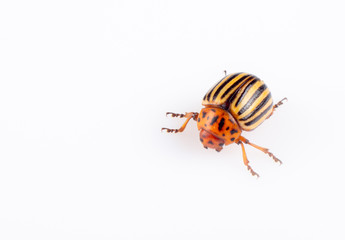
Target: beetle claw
{"type": "Point", "coordinates": [168, 130]}
{"type": "Point", "coordinates": [274, 158]}
{"type": "Point", "coordinates": [252, 172]}
{"type": "Point", "coordinates": [180, 115]}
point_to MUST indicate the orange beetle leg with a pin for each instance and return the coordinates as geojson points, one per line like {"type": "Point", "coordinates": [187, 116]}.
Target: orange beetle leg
{"type": "Point", "coordinates": [279, 103]}
{"type": "Point", "coordinates": [265, 150]}
{"type": "Point", "coordinates": [245, 160]}
{"type": "Point", "coordinates": [276, 106]}
{"type": "Point", "coordinates": [188, 115]}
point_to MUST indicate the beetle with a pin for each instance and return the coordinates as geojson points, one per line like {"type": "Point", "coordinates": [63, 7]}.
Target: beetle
{"type": "Point", "coordinates": [238, 102]}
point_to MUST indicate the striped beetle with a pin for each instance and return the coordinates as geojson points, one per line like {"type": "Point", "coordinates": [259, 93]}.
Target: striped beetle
{"type": "Point", "coordinates": [238, 102]}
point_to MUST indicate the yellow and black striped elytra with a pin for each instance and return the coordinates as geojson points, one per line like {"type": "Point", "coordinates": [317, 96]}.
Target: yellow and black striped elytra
{"type": "Point", "coordinates": [245, 96]}
{"type": "Point", "coordinates": [238, 102]}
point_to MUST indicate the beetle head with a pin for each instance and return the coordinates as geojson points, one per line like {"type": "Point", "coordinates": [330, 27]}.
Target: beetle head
{"type": "Point", "coordinates": [211, 141]}
{"type": "Point", "coordinates": [217, 127]}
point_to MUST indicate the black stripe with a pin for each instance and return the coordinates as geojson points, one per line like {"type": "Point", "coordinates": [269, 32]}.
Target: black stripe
{"type": "Point", "coordinates": [257, 93]}
{"type": "Point", "coordinates": [208, 96]}
{"type": "Point", "coordinates": [232, 95]}
{"type": "Point", "coordinates": [211, 90]}
{"type": "Point", "coordinates": [259, 117]}
{"type": "Point", "coordinates": [224, 84]}
{"type": "Point", "coordinates": [246, 90]}
{"type": "Point", "coordinates": [234, 85]}
{"type": "Point", "coordinates": [258, 107]}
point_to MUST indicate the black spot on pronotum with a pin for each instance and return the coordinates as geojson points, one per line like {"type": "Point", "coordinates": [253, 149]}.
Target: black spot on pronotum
{"type": "Point", "coordinates": [213, 110]}
{"type": "Point", "coordinates": [203, 114]}
{"type": "Point", "coordinates": [223, 135]}
{"type": "Point", "coordinates": [232, 139]}
{"type": "Point", "coordinates": [214, 119]}
{"type": "Point", "coordinates": [221, 124]}
{"type": "Point", "coordinates": [202, 140]}
{"type": "Point", "coordinates": [198, 119]}
{"type": "Point", "coordinates": [221, 144]}
{"type": "Point", "coordinates": [210, 142]}
{"type": "Point", "coordinates": [205, 124]}
{"type": "Point", "coordinates": [233, 131]}
{"type": "Point", "coordinates": [227, 128]}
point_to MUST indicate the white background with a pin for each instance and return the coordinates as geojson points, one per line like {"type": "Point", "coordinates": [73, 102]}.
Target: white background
{"type": "Point", "coordinates": [83, 94]}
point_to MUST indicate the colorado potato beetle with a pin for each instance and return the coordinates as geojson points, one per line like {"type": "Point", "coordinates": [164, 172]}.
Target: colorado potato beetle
{"type": "Point", "coordinates": [238, 102]}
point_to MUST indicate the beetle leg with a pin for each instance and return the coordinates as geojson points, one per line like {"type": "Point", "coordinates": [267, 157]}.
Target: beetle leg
{"type": "Point", "coordinates": [188, 115]}
{"type": "Point", "coordinates": [279, 103]}
{"type": "Point", "coordinates": [275, 106]}
{"type": "Point", "coordinates": [180, 115]}
{"type": "Point", "coordinates": [245, 160]}
{"type": "Point", "coordinates": [265, 150]}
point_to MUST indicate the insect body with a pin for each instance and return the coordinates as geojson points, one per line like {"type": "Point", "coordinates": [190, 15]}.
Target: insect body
{"type": "Point", "coordinates": [245, 96]}
{"type": "Point", "coordinates": [238, 102]}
